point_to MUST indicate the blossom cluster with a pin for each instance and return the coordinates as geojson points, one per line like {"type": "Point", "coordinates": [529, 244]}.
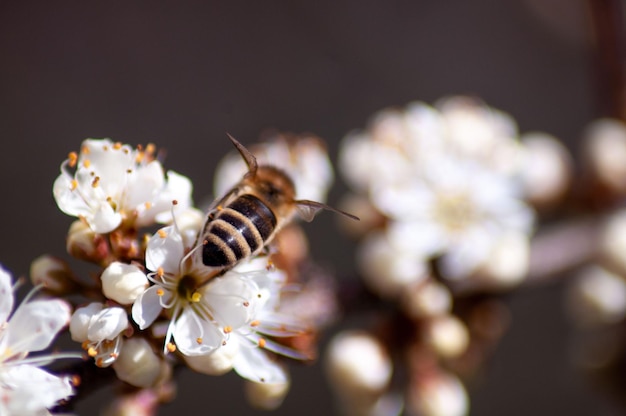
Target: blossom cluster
{"type": "Point", "coordinates": [153, 304]}
{"type": "Point", "coordinates": [447, 198]}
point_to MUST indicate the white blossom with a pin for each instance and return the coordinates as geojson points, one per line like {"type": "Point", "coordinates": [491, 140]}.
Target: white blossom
{"type": "Point", "coordinates": [100, 330]}
{"type": "Point", "coordinates": [123, 282]}
{"type": "Point", "coordinates": [113, 183]}
{"type": "Point", "coordinates": [26, 389]}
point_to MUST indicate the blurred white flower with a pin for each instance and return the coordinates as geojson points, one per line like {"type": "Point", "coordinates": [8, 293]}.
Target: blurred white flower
{"type": "Point", "coordinates": [303, 157]}
{"type": "Point", "coordinates": [99, 328]}
{"type": "Point", "coordinates": [447, 179]}
{"type": "Point", "coordinates": [26, 389]}
{"type": "Point", "coordinates": [113, 183]}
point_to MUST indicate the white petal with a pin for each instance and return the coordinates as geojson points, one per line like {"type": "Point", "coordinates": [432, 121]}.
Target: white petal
{"type": "Point", "coordinates": [31, 389]}
{"type": "Point", "coordinates": [104, 219]}
{"type": "Point", "coordinates": [166, 251]}
{"type": "Point", "coordinates": [196, 336]}
{"type": "Point", "coordinates": [226, 296]}
{"type": "Point", "coordinates": [35, 324]}
{"type": "Point", "coordinates": [178, 188]}
{"type": "Point", "coordinates": [254, 364]}
{"type": "Point", "coordinates": [107, 324]}
{"type": "Point", "coordinates": [68, 199]}
{"type": "Point", "coordinates": [144, 183]}
{"type": "Point", "coordinates": [147, 306]}
{"type": "Point", "coordinates": [109, 163]}
{"type": "Point", "coordinates": [79, 324]}
{"type": "Point", "coordinates": [6, 295]}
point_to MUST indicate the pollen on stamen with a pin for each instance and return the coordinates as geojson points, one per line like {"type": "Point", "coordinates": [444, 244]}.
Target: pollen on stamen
{"type": "Point", "coordinates": [75, 380]}
{"type": "Point", "coordinates": [99, 362]}
{"type": "Point", "coordinates": [219, 208]}
{"type": "Point", "coordinates": [85, 345]}
{"type": "Point", "coordinates": [147, 205]}
{"type": "Point", "coordinates": [162, 233]}
{"type": "Point", "coordinates": [270, 266]}
{"type": "Point", "coordinates": [95, 182]}
{"type": "Point", "coordinates": [246, 303]}
{"type": "Point", "coordinates": [129, 171]}
{"type": "Point", "coordinates": [199, 340]}
{"type": "Point", "coordinates": [174, 202]}
{"type": "Point", "coordinates": [255, 324]}
{"type": "Point", "coordinates": [72, 159]}
{"type": "Point", "coordinates": [262, 342]}
{"type": "Point", "coordinates": [105, 148]}
{"type": "Point", "coordinates": [171, 347]}
{"type": "Point", "coordinates": [160, 272]}
{"type": "Point", "coordinates": [74, 184]}
{"type": "Point", "coordinates": [92, 352]}
{"type": "Point", "coordinates": [150, 148]}
{"type": "Point", "coordinates": [85, 150]}
{"type": "Point", "coordinates": [86, 163]}
{"type": "Point", "coordinates": [160, 292]}
{"type": "Point", "coordinates": [228, 329]}
{"type": "Point", "coordinates": [113, 355]}
{"type": "Point", "coordinates": [117, 145]}
{"type": "Point", "coordinates": [195, 297]}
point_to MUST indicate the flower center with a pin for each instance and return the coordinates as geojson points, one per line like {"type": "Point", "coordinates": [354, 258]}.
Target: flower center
{"type": "Point", "coordinates": [455, 211]}
{"type": "Point", "coordinates": [186, 289]}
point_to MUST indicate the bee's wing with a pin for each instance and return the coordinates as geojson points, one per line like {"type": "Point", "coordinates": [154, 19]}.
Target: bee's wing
{"type": "Point", "coordinates": [307, 209]}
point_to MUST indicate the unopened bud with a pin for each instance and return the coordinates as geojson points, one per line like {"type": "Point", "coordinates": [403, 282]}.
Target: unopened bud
{"type": "Point", "coordinates": [546, 169]}
{"type": "Point", "coordinates": [597, 297]}
{"type": "Point", "coordinates": [447, 336]}
{"type": "Point", "coordinates": [426, 299]}
{"type": "Point", "coordinates": [84, 244]}
{"type": "Point", "coordinates": [53, 274]}
{"type": "Point", "coordinates": [606, 153]}
{"type": "Point", "coordinates": [123, 283]}
{"type": "Point", "coordinates": [137, 363]}
{"type": "Point", "coordinates": [79, 323]}
{"type": "Point", "coordinates": [215, 363]}
{"type": "Point", "coordinates": [358, 367]}
{"type": "Point", "coordinates": [438, 395]}
{"type": "Point", "coordinates": [613, 241]}
{"type": "Point", "coordinates": [266, 396]}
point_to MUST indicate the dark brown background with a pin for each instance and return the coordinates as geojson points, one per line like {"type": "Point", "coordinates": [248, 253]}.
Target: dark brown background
{"type": "Point", "coordinates": [181, 74]}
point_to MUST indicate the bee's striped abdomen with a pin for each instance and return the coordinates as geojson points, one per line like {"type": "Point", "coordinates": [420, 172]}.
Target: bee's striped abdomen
{"type": "Point", "coordinates": [237, 231]}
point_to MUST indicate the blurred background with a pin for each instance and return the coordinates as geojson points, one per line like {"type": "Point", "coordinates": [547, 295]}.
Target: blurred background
{"type": "Point", "coordinates": [182, 74]}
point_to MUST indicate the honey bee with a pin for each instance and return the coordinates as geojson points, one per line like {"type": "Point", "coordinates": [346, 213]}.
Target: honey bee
{"type": "Point", "coordinates": [248, 217]}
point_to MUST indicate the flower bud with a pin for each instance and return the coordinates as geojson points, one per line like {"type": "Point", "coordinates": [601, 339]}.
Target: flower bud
{"type": "Point", "coordinates": [606, 152]}
{"type": "Point", "coordinates": [123, 283]}
{"type": "Point", "coordinates": [597, 297]}
{"type": "Point", "coordinates": [507, 265]}
{"type": "Point", "coordinates": [137, 364]}
{"type": "Point", "coordinates": [53, 274]}
{"type": "Point", "coordinates": [358, 367]}
{"type": "Point", "coordinates": [84, 244]}
{"type": "Point", "coordinates": [426, 299]}
{"type": "Point", "coordinates": [613, 241]}
{"type": "Point", "coordinates": [79, 323]}
{"type": "Point", "coordinates": [546, 169]}
{"type": "Point", "coordinates": [438, 395]}
{"type": "Point", "coordinates": [214, 363]}
{"type": "Point", "coordinates": [447, 336]}
{"type": "Point", "coordinates": [265, 396]}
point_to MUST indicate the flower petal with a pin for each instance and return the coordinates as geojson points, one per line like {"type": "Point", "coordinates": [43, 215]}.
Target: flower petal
{"type": "Point", "coordinates": [34, 325]}
{"type": "Point", "coordinates": [147, 306]}
{"type": "Point", "coordinates": [165, 250]}
{"type": "Point", "coordinates": [255, 365]}
{"type": "Point", "coordinates": [107, 324]}
{"type": "Point", "coordinates": [195, 335]}
{"type": "Point", "coordinates": [6, 295]}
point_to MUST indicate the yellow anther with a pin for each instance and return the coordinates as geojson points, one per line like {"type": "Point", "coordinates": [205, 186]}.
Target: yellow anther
{"type": "Point", "coordinates": [255, 323]}
{"type": "Point", "coordinates": [86, 163]}
{"type": "Point", "coordinates": [219, 208]}
{"type": "Point", "coordinates": [85, 150]}
{"type": "Point", "coordinates": [139, 157]}
{"type": "Point", "coordinates": [129, 171]}
{"type": "Point", "coordinates": [262, 342]}
{"type": "Point", "coordinates": [160, 292]}
{"type": "Point", "coordinates": [72, 158]}
{"type": "Point", "coordinates": [174, 202]}
{"type": "Point", "coordinates": [75, 380]}
{"type": "Point", "coordinates": [195, 297]}
{"type": "Point", "coordinates": [150, 148]}
{"type": "Point", "coordinates": [99, 362]}
{"type": "Point", "coordinates": [162, 233]}
{"type": "Point", "coordinates": [199, 340]}
{"type": "Point", "coordinates": [117, 145]}
{"type": "Point", "coordinates": [246, 303]}
{"type": "Point", "coordinates": [228, 329]}
{"type": "Point", "coordinates": [160, 272]}
{"type": "Point", "coordinates": [105, 148]}
{"type": "Point", "coordinates": [74, 184]}
{"type": "Point", "coordinates": [113, 355]}
{"type": "Point", "coordinates": [92, 352]}
{"type": "Point", "coordinates": [85, 345]}
{"type": "Point", "coordinates": [95, 182]}
{"type": "Point", "coordinates": [171, 347]}
{"type": "Point", "coordinates": [147, 205]}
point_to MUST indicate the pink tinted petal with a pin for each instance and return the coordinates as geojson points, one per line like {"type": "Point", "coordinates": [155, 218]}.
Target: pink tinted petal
{"type": "Point", "coordinates": [34, 325]}
{"type": "Point", "coordinates": [31, 389]}
{"type": "Point", "coordinates": [147, 306]}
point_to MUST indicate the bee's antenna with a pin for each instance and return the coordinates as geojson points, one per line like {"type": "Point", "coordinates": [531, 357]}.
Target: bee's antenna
{"type": "Point", "coordinates": [246, 155]}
